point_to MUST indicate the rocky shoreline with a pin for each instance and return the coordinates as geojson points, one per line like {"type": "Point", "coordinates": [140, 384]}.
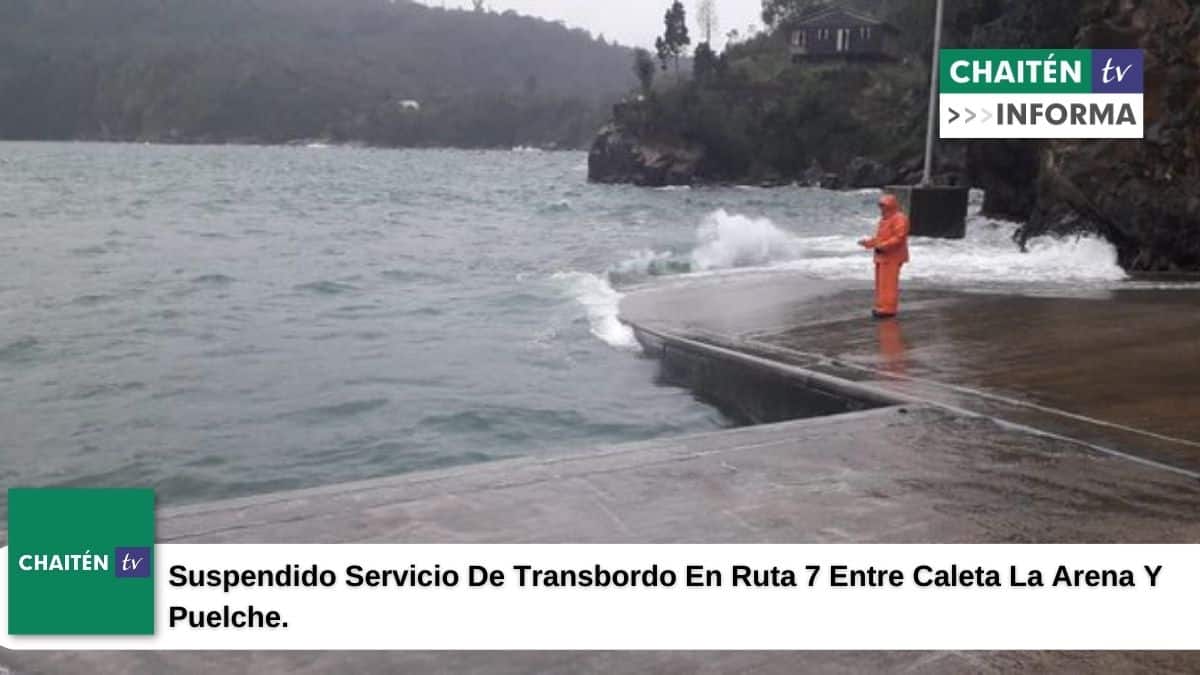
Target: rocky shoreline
{"type": "Point", "coordinates": [620, 156]}
{"type": "Point", "coordinates": [1143, 196]}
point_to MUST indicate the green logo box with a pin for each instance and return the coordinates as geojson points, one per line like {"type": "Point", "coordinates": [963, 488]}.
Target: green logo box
{"type": "Point", "coordinates": [80, 561]}
{"type": "Point", "coordinates": [1015, 71]}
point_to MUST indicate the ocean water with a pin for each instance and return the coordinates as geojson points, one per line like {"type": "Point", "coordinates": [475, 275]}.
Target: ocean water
{"type": "Point", "coordinates": [219, 321]}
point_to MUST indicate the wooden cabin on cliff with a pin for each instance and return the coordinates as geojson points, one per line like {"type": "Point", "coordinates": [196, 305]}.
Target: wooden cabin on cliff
{"type": "Point", "coordinates": [837, 31]}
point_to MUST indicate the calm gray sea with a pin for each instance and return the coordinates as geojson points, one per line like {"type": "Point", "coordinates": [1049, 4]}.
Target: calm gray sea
{"type": "Point", "coordinates": [218, 321]}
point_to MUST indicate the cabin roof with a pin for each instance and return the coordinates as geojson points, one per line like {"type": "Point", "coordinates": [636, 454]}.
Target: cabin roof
{"type": "Point", "coordinates": [833, 16]}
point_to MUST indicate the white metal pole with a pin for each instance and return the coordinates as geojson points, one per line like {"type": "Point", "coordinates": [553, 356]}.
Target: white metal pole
{"type": "Point", "coordinates": [927, 178]}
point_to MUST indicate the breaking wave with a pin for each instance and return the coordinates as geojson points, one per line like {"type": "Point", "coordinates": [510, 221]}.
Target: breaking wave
{"type": "Point", "coordinates": [988, 258]}
{"type": "Point", "coordinates": [602, 303]}
{"type": "Point", "coordinates": [988, 255]}
{"type": "Point", "coordinates": [726, 241]}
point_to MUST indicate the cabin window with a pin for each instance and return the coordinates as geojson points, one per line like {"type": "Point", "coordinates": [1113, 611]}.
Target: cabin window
{"type": "Point", "coordinates": [843, 39]}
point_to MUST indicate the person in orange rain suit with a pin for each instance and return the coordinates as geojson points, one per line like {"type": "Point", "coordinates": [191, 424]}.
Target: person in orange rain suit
{"type": "Point", "coordinates": [891, 252]}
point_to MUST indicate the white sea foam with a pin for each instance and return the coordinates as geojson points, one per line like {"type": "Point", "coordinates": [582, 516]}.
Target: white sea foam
{"type": "Point", "coordinates": [602, 303]}
{"type": "Point", "coordinates": [726, 241]}
{"type": "Point", "coordinates": [987, 255]}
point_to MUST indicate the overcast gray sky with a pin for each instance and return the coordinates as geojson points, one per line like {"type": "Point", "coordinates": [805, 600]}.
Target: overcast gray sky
{"type": "Point", "coordinates": [630, 22]}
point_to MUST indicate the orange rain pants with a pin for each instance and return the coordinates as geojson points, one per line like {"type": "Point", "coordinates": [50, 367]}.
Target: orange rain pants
{"type": "Point", "coordinates": [887, 287]}
{"type": "Point", "coordinates": [891, 252]}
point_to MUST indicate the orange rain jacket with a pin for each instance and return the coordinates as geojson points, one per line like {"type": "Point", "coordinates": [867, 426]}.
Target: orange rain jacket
{"type": "Point", "coordinates": [891, 240]}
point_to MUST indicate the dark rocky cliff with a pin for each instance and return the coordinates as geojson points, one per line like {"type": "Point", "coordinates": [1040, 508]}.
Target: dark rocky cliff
{"type": "Point", "coordinates": [624, 153]}
{"type": "Point", "coordinates": [1144, 196]}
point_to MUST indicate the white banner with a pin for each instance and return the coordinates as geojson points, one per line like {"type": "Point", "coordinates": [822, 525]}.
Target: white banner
{"type": "Point", "coordinates": [1020, 116]}
{"type": "Point", "coordinates": [674, 597]}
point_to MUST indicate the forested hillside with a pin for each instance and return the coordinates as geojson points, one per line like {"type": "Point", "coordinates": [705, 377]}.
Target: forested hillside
{"type": "Point", "coordinates": [279, 70]}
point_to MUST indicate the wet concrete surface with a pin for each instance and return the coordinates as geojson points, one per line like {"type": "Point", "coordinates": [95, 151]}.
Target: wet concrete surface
{"type": "Point", "coordinates": [926, 464]}
{"type": "Point", "coordinates": [901, 474]}
{"type": "Point", "coordinates": [1133, 359]}
{"type": "Point", "coordinates": [904, 474]}
{"type": "Point", "coordinates": [1114, 368]}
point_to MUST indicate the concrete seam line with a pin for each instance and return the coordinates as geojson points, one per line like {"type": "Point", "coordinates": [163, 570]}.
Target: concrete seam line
{"type": "Point", "coordinates": [1048, 434]}
{"type": "Point", "coordinates": [987, 395]}
{"type": "Point", "coordinates": [915, 401]}
{"type": "Point", "coordinates": [1187, 473]}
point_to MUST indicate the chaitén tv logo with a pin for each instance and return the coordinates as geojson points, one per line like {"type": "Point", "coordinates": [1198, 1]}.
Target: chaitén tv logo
{"type": "Point", "coordinates": [80, 562]}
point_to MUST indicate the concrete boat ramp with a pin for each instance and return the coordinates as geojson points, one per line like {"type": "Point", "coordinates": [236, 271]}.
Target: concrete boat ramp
{"type": "Point", "coordinates": [974, 418]}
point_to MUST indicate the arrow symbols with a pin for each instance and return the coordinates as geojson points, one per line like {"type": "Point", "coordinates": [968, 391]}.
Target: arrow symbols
{"type": "Point", "coordinates": [984, 116]}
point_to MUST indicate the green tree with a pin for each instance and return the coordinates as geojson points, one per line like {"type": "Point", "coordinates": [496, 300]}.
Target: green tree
{"type": "Point", "coordinates": [274, 71]}
{"type": "Point", "coordinates": [675, 39]}
{"type": "Point", "coordinates": [643, 67]}
{"type": "Point", "coordinates": [704, 63]}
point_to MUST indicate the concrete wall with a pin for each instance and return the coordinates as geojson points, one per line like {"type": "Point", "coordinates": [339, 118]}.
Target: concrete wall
{"type": "Point", "coordinates": [754, 391]}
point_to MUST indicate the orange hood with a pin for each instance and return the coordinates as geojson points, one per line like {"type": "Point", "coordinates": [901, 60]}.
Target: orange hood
{"type": "Point", "coordinates": [890, 205]}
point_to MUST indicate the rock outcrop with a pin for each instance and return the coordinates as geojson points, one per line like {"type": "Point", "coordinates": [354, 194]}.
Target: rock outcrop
{"type": "Point", "coordinates": [864, 172]}
{"type": "Point", "coordinates": [1143, 196]}
{"type": "Point", "coordinates": [620, 156]}
{"type": "Point", "coordinates": [1007, 171]}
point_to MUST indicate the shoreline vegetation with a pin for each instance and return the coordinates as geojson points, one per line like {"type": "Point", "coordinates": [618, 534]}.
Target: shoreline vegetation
{"type": "Point", "coordinates": [376, 72]}
{"type": "Point", "coordinates": [751, 116]}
